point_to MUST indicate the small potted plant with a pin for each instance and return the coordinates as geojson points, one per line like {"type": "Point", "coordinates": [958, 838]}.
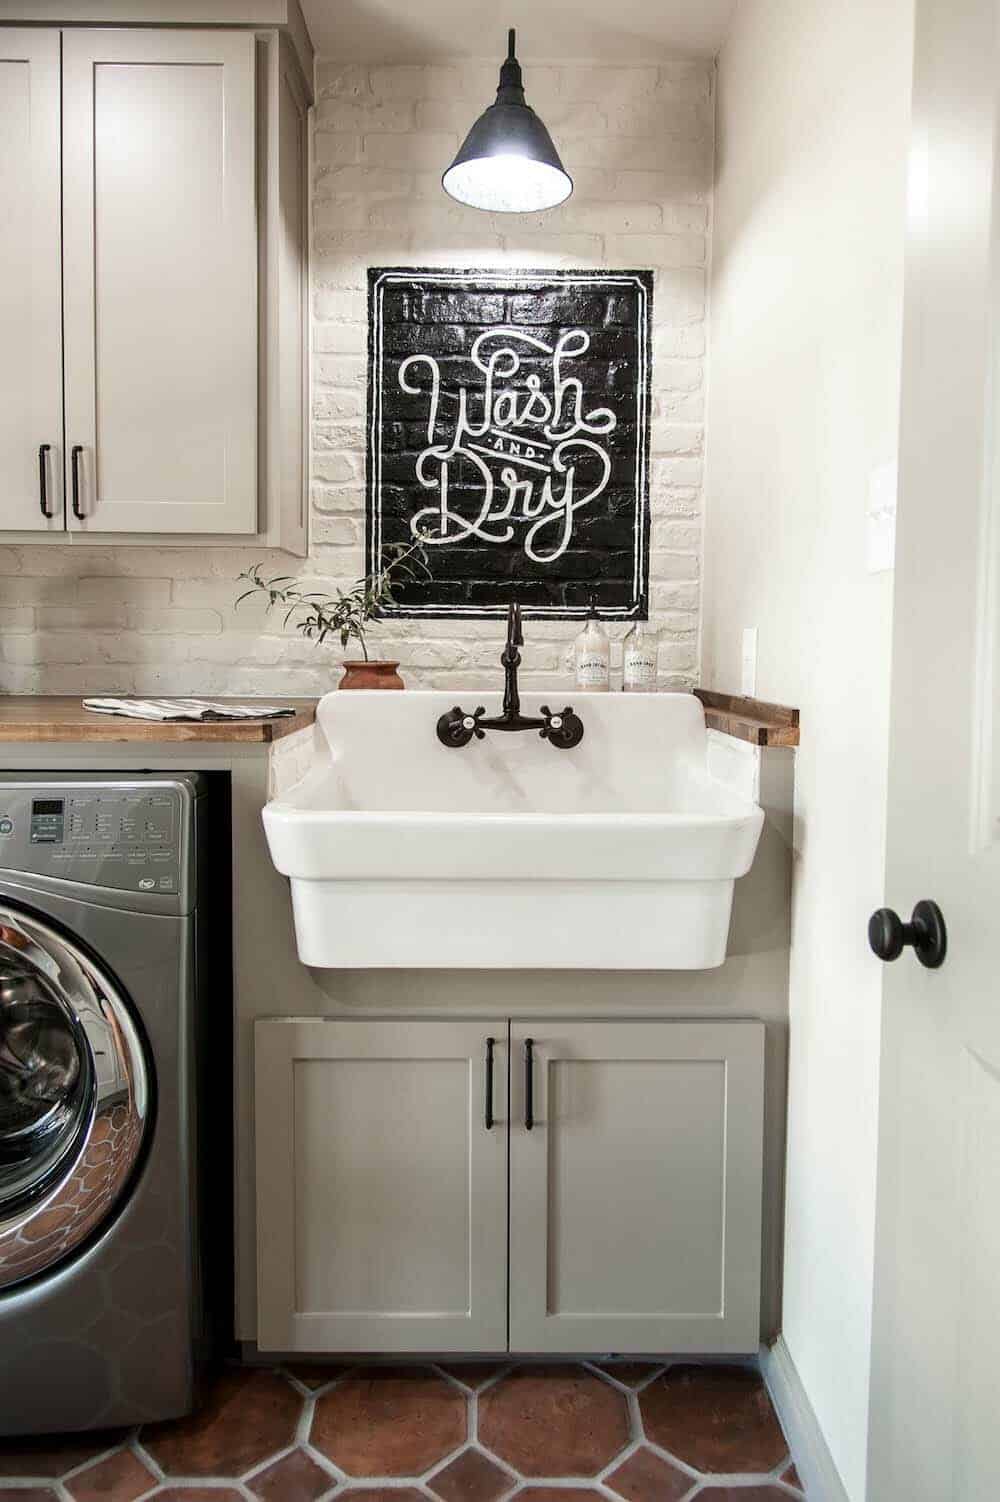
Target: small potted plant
{"type": "Point", "coordinates": [346, 615]}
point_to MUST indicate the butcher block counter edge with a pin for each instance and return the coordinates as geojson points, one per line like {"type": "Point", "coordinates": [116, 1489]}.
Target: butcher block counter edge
{"type": "Point", "coordinates": [47, 718]}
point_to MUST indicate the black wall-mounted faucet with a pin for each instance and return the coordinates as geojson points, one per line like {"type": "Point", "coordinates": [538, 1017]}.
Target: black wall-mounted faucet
{"type": "Point", "coordinates": [457, 727]}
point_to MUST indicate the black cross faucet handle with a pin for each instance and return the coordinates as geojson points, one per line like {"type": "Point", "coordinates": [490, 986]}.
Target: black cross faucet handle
{"type": "Point", "coordinates": [563, 730]}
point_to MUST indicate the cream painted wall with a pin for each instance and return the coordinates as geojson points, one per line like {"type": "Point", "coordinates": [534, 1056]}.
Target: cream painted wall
{"type": "Point", "coordinates": [806, 301]}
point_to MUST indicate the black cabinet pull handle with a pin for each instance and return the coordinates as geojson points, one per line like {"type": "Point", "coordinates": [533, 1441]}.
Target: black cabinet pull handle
{"type": "Point", "coordinates": [529, 1084]}
{"type": "Point", "coordinates": [74, 460]}
{"type": "Point", "coordinates": [489, 1084]}
{"type": "Point", "coordinates": [43, 495]}
{"type": "Point", "coordinates": [888, 935]}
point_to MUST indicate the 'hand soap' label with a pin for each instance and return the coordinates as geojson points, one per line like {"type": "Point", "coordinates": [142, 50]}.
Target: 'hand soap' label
{"type": "Point", "coordinates": [640, 670]}
{"type": "Point", "coordinates": [591, 671]}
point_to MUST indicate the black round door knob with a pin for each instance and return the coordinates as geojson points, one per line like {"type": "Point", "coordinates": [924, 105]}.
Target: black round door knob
{"type": "Point", "coordinates": [888, 935]}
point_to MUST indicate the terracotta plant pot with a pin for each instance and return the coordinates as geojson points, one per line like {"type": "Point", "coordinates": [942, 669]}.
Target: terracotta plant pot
{"type": "Point", "coordinates": [371, 675]}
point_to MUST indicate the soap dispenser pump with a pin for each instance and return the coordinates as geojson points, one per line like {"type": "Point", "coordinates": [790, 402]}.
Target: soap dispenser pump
{"type": "Point", "coordinates": [592, 655]}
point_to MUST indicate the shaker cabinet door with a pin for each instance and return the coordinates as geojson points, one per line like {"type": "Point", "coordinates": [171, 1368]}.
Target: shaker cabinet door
{"type": "Point", "coordinates": [635, 1192]}
{"type": "Point", "coordinates": [160, 280]}
{"type": "Point", "coordinates": [31, 495]}
{"type": "Point", "coordinates": [381, 1190]}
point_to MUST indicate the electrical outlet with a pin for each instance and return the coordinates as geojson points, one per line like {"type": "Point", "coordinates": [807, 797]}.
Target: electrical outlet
{"type": "Point", "coordinates": [748, 662]}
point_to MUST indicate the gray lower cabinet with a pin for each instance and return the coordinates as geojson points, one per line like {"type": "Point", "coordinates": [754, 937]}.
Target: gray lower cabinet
{"type": "Point", "coordinates": [631, 1209]}
{"type": "Point", "coordinates": [635, 1197]}
{"type": "Point", "coordinates": [381, 1195]}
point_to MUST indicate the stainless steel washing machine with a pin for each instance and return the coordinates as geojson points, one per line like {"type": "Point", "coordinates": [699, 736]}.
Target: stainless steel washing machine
{"type": "Point", "coordinates": [100, 957]}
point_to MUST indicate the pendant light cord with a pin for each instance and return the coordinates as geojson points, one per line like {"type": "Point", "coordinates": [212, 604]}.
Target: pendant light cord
{"type": "Point", "coordinates": [511, 88]}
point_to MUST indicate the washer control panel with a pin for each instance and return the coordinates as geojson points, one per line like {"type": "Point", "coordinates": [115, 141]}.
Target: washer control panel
{"type": "Point", "coordinates": [124, 835]}
{"type": "Point", "coordinates": [48, 821]}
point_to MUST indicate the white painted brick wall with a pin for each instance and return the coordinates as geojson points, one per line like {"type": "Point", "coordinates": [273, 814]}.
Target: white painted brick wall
{"type": "Point", "coordinates": [639, 144]}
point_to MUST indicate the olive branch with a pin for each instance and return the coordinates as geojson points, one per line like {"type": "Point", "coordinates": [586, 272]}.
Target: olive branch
{"type": "Point", "coordinates": [346, 613]}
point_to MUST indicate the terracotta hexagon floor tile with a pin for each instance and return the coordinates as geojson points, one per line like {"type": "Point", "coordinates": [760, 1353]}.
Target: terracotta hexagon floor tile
{"type": "Point", "coordinates": [645, 1477]}
{"type": "Point", "coordinates": [630, 1373]}
{"type": "Point", "coordinates": [471, 1477]}
{"type": "Point", "coordinates": [555, 1494]}
{"type": "Point", "coordinates": [27, 1494]}
{"type": "Point", "coordinates": [121, 1477]}
{"type": "Point", "coordinates": [742, 1494]}
{"type": "Point", "coordinates": [553, 1421]}
{"type": "Point", "coordinates": [791, 1478]}
{"type": "Point", "coordinates": [54, 1454]}
{"type": "Point", "coordinates": [246, 1416]}
{"type": "Point", "coordinates": [176, 1493]}
{"type": "Point", "coordinates": [384, 1494]}
{"type": "Point", "coordinates": [294, 1478]}
{"type": "Point", "coordinates": [390, 1421]}
{"type": "Point", "coordinates": [716, 1418]}
{"type": "Point", "coordinates": [473, 1373]}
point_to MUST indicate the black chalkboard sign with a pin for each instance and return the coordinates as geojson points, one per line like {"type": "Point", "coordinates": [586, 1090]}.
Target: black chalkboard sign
{"type": "Point", "coordinates": [508, 426]}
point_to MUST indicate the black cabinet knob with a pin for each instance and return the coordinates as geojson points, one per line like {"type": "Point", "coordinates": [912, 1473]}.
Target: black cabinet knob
{"type": "Point", "coordinates": [888, 935]}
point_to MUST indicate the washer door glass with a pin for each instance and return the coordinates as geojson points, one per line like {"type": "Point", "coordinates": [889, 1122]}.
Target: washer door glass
{"type": "Point", "coordinates": [46, 1081]}
{"type": "Point", "coordinates": [74, 1097]}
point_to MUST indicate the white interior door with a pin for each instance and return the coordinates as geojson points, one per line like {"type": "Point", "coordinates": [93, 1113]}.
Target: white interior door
{"type": "Point", "coordinates": [935, 1396]}
{"type": "Point", "coordinates": [635, 1186]}
{"type": "Point", "coordinates": [31, 497]}
{"type": "Point", "coordinates": [381, 1187]}
{"type": "Point", "coordinates": [160, 268]}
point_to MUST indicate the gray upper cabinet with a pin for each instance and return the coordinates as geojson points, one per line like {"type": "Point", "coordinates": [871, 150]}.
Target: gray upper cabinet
{"type": "Point", "coordinates": [160, 279]}
{"type": "Point", "coordinates": [283, 129]}
{"type": "Point", "coordinates": [182, 255]}
{"type": "Point", "coordinates": [31, 423]}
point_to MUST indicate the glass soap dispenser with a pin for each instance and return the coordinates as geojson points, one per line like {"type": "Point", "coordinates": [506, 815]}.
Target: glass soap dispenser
{"type": "Point", "coordinates": [592, 655]}
{"type": "Point", "coordinates": [640, 659]}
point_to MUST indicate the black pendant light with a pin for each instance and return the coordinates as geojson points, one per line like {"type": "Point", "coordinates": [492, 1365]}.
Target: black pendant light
{"type": "Point", "coordinates": [507, 162]}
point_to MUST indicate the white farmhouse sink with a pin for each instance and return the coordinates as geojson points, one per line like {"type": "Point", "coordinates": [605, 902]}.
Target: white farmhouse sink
{"type": "Point", "coordinates": [618, 854]}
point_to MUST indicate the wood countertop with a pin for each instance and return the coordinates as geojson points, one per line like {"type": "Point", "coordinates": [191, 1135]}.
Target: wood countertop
{"type": "Point", "coordinates": [752, 720]}
{"type": "Point", "coordinates": [41, 717]}
{"type": "Point", "coordinates": [50, 718]}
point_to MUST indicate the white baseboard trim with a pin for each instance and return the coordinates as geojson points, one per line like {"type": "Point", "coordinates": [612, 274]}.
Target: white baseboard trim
{"type": "Point", "coordinates": [820, 1476]}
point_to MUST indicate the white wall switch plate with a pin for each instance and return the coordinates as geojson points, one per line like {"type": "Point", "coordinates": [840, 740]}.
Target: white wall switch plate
{"type": "Point", "coordinates": [881, 514]}
{"type": "Point", "coordinates": [748, 661]}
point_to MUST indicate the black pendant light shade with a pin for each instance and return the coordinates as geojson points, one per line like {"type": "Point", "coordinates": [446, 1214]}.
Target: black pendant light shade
{"type": "Point", "coordinates": [507, 163]}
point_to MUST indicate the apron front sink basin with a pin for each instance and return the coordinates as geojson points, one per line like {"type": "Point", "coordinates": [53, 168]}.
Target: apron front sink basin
{"type": "Point", "coordinates": [620, 853]}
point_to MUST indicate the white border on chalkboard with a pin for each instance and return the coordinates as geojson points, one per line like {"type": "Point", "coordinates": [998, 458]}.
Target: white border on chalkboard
{"type": "Point", "coordinates": [487, 279]}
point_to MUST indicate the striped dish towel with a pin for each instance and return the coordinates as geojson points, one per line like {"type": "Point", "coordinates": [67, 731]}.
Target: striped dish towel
{"type": "Point", "coordinates": [185, 709]}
